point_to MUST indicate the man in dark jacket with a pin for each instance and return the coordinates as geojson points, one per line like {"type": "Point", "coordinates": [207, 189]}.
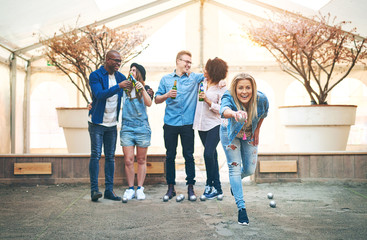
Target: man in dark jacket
{"type": "Point", "coordinates": [107, 87]}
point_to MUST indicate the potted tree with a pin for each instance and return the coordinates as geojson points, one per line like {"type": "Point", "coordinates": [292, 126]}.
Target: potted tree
{"type": "Point", "coordinates": [77, 52]}
{"type": "Point", "coordinates": [319, 54]}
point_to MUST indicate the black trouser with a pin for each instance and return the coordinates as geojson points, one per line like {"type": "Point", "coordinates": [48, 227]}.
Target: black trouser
{"type": "Point", "coordinates": [171, 134]}
{"type": "Point", "coordinates": [210, 140]}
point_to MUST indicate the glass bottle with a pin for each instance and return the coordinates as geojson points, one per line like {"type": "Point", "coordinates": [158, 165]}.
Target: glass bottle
{"type": "Point", "coordinates": [174, 88]}
{"type": "Point", "coordinates": [201, 89]}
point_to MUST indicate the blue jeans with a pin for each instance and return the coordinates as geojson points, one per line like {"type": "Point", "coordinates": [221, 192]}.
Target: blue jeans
{"type": "Point", "coordinates": [106, 136]}
{"type": "Point", "coordinates": [171, 134]}
{"type": "Point", "coordinates": [241, 163]}
{"type": "Point", "coordinates": [210, 140]}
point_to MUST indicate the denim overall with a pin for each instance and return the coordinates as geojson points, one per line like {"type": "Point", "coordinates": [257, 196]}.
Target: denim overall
{"type": "Point", "coordinates": [135, 129]}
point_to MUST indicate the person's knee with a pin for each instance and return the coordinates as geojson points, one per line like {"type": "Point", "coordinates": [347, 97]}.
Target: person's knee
{"type": "Point", "coordinates": [208, 155]}
{"type": "Point", "coordinates": [110, 159]}
{"type": "Point", "coordinates": [248, 172]}
{"type": "Point", "coordinates": [250, 169]}
{"type": "Point", "coordinates": [95, 155]}
{"type": "Point", "coordinates": [129, 162]}
{"type": "Point", "coordinates": [234, 168]}
{"type": "Point", "coordinates": [234, 164]}
{"type": "Point", "coordinates": [141, 160]}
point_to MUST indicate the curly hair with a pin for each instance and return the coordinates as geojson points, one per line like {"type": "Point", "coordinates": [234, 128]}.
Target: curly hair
{"type": "Point", "coordinates": [216, 69]}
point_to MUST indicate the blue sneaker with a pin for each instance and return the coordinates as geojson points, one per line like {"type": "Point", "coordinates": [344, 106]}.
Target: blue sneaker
{"type": "Point", "coordinates": [213, 194]}
{"type": "Point", "coordinates": [207, 190]}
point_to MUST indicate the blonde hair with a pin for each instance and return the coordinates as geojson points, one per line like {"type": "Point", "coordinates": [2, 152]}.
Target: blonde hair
{"type": "Point", "coordinates": [181, 53]}
{"type": "Point", "coordinates": [252, 106]}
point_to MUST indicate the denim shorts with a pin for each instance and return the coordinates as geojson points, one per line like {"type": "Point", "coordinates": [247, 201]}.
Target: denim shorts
{"type": "Point", "coordinates": [135, 136]}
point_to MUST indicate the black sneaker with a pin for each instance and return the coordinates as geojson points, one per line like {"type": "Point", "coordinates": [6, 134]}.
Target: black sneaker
{"type": "Point", "coordinates": [111, 195]}
{"type": "Point", "coordinates": [95, 195]}
{"type": "Point", "coordinates": [242, 217]}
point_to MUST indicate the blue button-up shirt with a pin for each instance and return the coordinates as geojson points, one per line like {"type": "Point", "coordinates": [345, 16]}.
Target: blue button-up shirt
{"type": "Point", "coordinates": [180, 111]}
{"type": "Point", "coordinates": [233, 127]}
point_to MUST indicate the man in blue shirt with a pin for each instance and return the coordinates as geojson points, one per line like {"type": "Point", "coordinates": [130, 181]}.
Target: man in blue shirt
{"type": "Point", "coordinates": [106, 84]}
{"type": "Point", "coordinates": [179, 118]}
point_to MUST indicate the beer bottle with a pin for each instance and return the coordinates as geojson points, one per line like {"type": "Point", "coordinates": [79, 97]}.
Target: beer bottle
{"type": "Point", "coordinates": [174, 88]}
{"type": "Point", "coordinates": [201, 89]}
{"type": "Point", "coordinates": [133, 80]}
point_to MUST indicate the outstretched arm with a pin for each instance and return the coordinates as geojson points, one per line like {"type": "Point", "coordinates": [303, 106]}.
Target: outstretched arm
{"type": "Point", "coordinates": [237, 115]}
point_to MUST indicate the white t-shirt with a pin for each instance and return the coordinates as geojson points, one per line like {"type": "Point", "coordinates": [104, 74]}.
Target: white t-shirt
{"type": "Point", "coordinates": [110, 113]}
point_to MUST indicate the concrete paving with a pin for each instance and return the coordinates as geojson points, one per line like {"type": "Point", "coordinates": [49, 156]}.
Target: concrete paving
{"type": "Point", "coordinates": [310, 210]}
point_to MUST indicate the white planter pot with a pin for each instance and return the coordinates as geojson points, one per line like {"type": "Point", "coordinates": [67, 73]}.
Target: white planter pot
{"type": "Point", "coordinates": [74, 121]}
{"type": "Point", "coordinates": [316, 128]}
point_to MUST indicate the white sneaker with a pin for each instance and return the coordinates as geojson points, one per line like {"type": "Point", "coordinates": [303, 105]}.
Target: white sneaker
{"type": "Point", "coordinates": [140, 194]}
{"type": "Point", "coordinates": [129, 194]}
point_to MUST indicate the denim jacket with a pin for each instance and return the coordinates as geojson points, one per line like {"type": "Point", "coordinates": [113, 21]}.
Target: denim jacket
{"type": "Point", "coordinates": [234, 127]}
{"type": "Point", "coordinates": [98, 81]}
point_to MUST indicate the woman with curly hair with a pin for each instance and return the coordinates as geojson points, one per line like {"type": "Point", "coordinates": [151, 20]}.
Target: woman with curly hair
{"type": "Point", "coordinates": [207, 122]}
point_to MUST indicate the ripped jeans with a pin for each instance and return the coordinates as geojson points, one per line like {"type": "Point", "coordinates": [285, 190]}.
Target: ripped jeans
{"type": "Point", "coordinates": [241, 159]}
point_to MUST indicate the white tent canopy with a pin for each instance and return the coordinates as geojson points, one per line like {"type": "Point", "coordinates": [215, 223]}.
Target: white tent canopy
{"type": "Point", "coordinates": [22, 22]}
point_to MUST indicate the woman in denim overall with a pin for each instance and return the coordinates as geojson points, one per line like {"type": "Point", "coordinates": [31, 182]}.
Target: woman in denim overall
{"type": "Point", "coordinates": [245, 109]}
{"type": "Point", "coordinates": [135, 131]}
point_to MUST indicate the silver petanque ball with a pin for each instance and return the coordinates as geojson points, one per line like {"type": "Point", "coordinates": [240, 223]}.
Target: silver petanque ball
{"type": "Point", "coordinates": [242, 118]}
{"type": "Point", "coordinates": [124, 200]}
{"type": "Point", "coordinates": [193, 198]}
{"type": "Point", "coordinates": [180, 198]}
{"type": "Point", "coordinates": [165, 198]}
{"type": "Point", "coordinates": [272, 204]}
{"type": "Point", "coordinates": [270, 195]}
{"type": "Point", "coordinates": [220, 197]}
{"type": "Point", "coordinates": [202, 198]}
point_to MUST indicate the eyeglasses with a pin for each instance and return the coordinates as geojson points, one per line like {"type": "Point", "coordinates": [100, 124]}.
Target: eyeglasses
{"type": "Point", "coordinates": [186, 61]}
{"type": "Point", "coordinates": [115, 60]}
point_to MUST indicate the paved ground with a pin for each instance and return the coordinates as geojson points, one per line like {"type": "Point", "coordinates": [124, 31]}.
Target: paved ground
{"type": "Point", "coordinates": [304, 211]}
